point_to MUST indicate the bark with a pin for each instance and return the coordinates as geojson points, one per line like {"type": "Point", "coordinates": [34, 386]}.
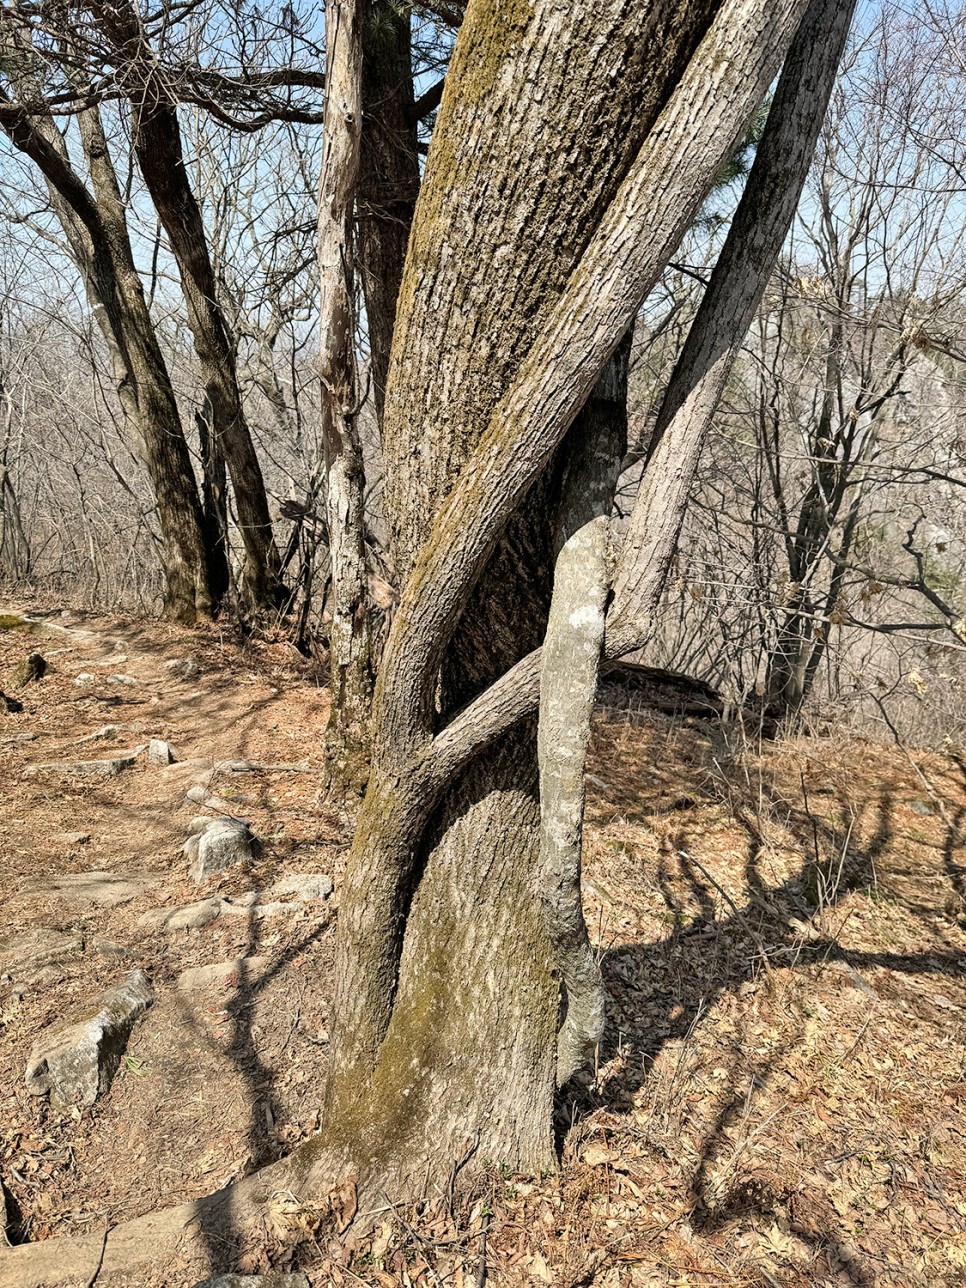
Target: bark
{"type": "Point", "coordinates": [751, 250]}
{"type": "Point", "coordinates": [350, 635]}
{"type": "Point", "coordinates": [96, 230]}
{"type": "Point", "coordinates": [14, 545]}
{"type": "Point", "coordinates": [518, 286]}
{"type": "Point", "coordinates": [388, 175]}
{"type": "Point", "coordinates": [157, 144]}
{"type": "Point", "coordinates": [570, 663]}
{"type": "Point", "coordinates": [214, 506]}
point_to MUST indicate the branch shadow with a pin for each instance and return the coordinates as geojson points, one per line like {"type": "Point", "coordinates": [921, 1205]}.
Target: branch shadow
{"type": "Point", "coordinates": [737, 946]}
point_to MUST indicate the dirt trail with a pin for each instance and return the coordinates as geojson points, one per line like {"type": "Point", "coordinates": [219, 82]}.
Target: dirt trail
{"type": "Point", "coordinates": [216, 1080]}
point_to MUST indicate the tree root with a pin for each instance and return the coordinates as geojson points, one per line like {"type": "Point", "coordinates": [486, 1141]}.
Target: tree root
{"type": "Point", "coordinates": [202, 1235]}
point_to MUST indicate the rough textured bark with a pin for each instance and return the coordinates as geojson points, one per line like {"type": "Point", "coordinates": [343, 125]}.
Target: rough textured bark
{"type": "Point", "coordinates": [350, 634]}
{"type": "Point", "coordinates": [157, 144]}
{"type": "Point", "coordinates": [751, 250]}
{"type": "Point", "coordinates": [96, 229]}
{"type": "Point", "coordinates": [388, 175]}
{"type": "Point", "coordinates": [519, 284]}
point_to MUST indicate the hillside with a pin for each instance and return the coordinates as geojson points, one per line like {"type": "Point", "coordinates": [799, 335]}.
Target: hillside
{"type": "Point", "coordinates": [781, 929]}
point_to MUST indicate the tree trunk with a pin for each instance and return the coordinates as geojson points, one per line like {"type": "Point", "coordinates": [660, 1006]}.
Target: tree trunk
{"type": "Point", "coordinates": [157, 144]}
{"type": "Point", "coordinates": [350, 635]}
{"type": "Point", "coordinates": [388, 175]}
{"type": "Point", "coordinates": [447, 989]}
{"type": "Point", "coordinates": [96, 230]}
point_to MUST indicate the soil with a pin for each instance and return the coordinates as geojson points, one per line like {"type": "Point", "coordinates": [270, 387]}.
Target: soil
{"type": "Point", "coordinates": [779, 1100]}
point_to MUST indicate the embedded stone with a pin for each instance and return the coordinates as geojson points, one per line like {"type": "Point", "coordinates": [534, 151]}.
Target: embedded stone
{"type": "Point", "coordinates": [223, 844]}
{"type": "Point", "coordinates": [234, 973]}
{"type": "Point", "coordinates": [75, 1063]}
{"type": "Point", "coordinates": [191, 916]}
{"type": "Point", "coordinates": [108, 888]}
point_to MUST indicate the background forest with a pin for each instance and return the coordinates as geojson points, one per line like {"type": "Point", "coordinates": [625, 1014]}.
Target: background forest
{"type": "Point", "coordinates": [820, 571]}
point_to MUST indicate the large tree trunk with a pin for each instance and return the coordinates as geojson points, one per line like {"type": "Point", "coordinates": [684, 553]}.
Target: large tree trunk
{"type": "Point", "coordinates": [157, 144]}
{"type": "Point", "coordinates": [448, 992]}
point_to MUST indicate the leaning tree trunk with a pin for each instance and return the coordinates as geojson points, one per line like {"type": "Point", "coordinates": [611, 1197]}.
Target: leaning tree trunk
{"type": "Point", "coordinates": [448, 988]}
{"type": "Point", "coordinates": [157, 144]}
{"type": "Point", "coordinates": [96, 230]}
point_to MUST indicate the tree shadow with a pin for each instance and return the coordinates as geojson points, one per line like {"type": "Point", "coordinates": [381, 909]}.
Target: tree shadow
{"type": "Point", "coordinates": [737, 945]}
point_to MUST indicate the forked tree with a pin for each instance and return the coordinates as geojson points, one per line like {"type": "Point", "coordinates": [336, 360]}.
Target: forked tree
{"type": "Point", "coordinates": [573, 147]}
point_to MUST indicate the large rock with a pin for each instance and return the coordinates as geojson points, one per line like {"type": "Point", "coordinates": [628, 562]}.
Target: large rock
{"type": "Point", "coordinates": [33, 667]}
{"type": "Point", "coordinates": [74, 1063]}
{"type": "Point", "coordinates": [224, 843]}
{"type": "Point", "coordinates": [192, 916]}
{"type": "Point", "coordinates": [108, 888]}
{"type": "Point", "coordinates": [27, 954]}
{"type": "Point", "coordinates": [107, 768]}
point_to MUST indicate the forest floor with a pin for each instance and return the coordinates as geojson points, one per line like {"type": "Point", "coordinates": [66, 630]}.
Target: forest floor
{"type": "Point", "coordinates": [780, 1097]}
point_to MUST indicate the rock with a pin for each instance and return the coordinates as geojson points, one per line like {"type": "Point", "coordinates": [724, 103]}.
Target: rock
{"type": "Point", "coordinates": [185, 668]}
{"type": "Point", "coordinates": [106, 733]}
{"type": "Point", "coordinates": [33, 667]}
{"type": "Point", "coordinates": [160, 752]}
{"type": "Point", "coordinates": [108, 948]}
{"type": "Point", "coordinates": [9, 705]}
{"type": "Point", "coordinates": [191, 916]}
{"type": "Point", "coordinates": [75, 1063]}
{"type": "Point", "coordinates": [107, 768]}
{"type": "Point", "coordinates": [200, 795]}
{"type": "Point", "coordinates": [224, 843]}
{"type": "Point", "coordinates": [76, 838]}
{"type": "Point", "coordinates": [242, 970]}
{"type": "Point", "coordinates": [122, 679]}
{"type": "Point", "coordinates": [233, 767]}
{"type": "Point", "coordinates": [107, 888]}
{"type": "Point", "coordinates": [304, 886]}
{"type": "Point", "coordinates": [197, 824]}
{"type": "Point", "coordinates": [84, 679]}
{"type": "Point", "coordinates": [245, 906]}
{"type": "Point", "coordinates": [17, 737]}
{"type": "Point", "coordinates": [25, 952]}
{"type": "Point", "coordinates": [275, 1279]}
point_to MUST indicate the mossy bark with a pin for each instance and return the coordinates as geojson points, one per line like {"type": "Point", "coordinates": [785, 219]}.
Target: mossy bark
{"type": "Point", "coordinates": [448, 994]}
